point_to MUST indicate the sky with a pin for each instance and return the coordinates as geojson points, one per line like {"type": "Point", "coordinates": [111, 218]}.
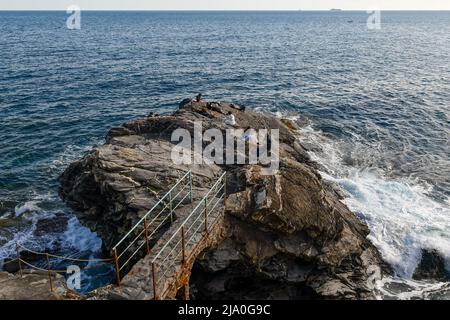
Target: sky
{"type": "Point", "coordinates": [225, 4]}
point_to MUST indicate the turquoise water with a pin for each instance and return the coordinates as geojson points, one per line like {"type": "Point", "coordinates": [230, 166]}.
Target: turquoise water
{"type": "Point", "coordinates": [378, 104]}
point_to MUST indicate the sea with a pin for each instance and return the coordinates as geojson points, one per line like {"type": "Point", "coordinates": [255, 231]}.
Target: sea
{"type": "Point", "coordinates": [374, 103]}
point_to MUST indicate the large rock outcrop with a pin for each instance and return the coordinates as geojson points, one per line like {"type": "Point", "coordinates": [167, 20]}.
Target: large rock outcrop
{"type": "Point", "coordinates": [289, 238]}
{"type": "Point", "coordinates": [290, 230]}
{"type": "Point", "coordinates": [288, 235]}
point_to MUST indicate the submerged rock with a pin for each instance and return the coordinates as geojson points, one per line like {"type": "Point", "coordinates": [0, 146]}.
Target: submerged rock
{"type": "Point", "coordinates": [11, 265]}
{"type": "Point", "coordinates": [56, 224]}
{"type": "Point", "coordinates": [288, 235]}
{"type": "Point", "coordinates": [431, 267]}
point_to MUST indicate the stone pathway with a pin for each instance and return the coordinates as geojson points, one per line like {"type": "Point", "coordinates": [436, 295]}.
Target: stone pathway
{"type": "Point", "coordinates": [138, 284]}
{"type": "Point", "coordinates": [34, 285]}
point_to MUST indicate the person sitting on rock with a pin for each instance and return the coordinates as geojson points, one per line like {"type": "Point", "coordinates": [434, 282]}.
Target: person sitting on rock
{"type": "Point", "coordinates": [198, 98]}
{"type": "Point", "coordinates": [230, 119]}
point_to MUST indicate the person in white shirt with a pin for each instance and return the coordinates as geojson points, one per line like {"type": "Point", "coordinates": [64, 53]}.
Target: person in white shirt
{"type": "Point", "coordinates": [250, 136]}
{"type": "Point", "coordinates": [230, 119]}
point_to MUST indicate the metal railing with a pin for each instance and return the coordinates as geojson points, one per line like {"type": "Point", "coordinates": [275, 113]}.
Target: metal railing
{"type": "Point", "coordinates": [51, 260]}
{"type": "Point", "coordinates": [141, 235]}
{"type": "Point", "coordinates": [177, 250]}
{"type": "Point", "coordinates": [180, 247]}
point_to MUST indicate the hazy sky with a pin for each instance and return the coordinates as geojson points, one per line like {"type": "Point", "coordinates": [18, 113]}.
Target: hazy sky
{"type": "Point", "coordinates": [228, 4]}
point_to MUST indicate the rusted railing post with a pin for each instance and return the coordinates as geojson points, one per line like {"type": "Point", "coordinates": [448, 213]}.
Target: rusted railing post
{"type": "Point", "coordinates": [183, 244]}
{"type": "Point", "coordinates": [146, 236]}
{"type": "Point", "coordinates": [190, 186]}
{"type": "Point", "coordinates": [170, 206]}
{"type": "Point", "coordinates": [116, 263]}
{"type": "Point", "coordinates": [49, 272]}
{"type": "Point", "coordinates": [225, 186]}
{"type": "Point", "coordinates": [155, 296]}
{"type": "Point", "coordinates": [206, 216]}
{"type": "Point", "coordinates": [18, 259]}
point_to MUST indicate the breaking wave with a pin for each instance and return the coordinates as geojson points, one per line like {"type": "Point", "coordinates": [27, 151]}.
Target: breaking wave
{"type": "Point", "coordinates": [401, 212]}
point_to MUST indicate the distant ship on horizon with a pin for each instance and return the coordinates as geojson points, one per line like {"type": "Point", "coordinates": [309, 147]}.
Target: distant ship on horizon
{"type": "Point", "coordinates": [336, 10]}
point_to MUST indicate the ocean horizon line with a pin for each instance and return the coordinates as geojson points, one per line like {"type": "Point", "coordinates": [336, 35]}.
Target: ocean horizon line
{"type": "Point", "coordinates": [227, 10]}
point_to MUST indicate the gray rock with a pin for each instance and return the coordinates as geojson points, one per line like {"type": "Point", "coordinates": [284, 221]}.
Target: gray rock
{"type": "Point", "coordinates": [220, 258]}
{"type": "Point", "coordinates": [431, 267]}
{"type": "Point", "coordinates": [11, 265]}
{"type": "Point", "coordinates": [58, 224]}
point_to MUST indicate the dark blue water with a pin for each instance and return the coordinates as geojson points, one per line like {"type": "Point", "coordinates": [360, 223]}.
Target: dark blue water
{"type": "Point", "coordinates": [380, 99]}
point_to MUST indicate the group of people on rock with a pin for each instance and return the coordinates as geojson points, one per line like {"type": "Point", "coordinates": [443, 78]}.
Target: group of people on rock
{"type": "Point", "coordinates": [230, 120]}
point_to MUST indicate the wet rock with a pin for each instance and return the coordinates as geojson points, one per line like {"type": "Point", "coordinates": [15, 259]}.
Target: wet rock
{"type": "Point", "coordinates": [431, 267]}
{"type": "Point", "coordinates": [7, 223]}
{"type": "Point", "coordinates": [5, 235]}
{"type": "Point", "coordinates": [290, 124]}
{"type": "Point", "coordinates": [57, 224]}
{"type": "Point", "coordinates": [184, 103]}
{"type": "Point", "coordinates": [11, 265]}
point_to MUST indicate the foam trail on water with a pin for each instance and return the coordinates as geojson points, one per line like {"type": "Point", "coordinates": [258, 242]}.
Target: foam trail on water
{"type": "Point", "coordinates": [21, 232]}
{"type": "Point", "coordinates": [77, 240]}
{"type": "Point", "coordinates": [29, 206]}
{"type": "Point", "coordinates": [8, 249]}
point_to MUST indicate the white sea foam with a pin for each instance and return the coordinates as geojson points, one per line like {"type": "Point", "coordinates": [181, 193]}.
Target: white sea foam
{"type": "Point", "coordinates": [79, 238]}
{"type": "Point", "coordinates": [404, 289]}
{"type": "Point", "coordinates": [8, 249]}
{"type": "Point", "coordinates": [33, 205]}
{"type": "Point", "coordinates": [27, 207]}
{"type": "Point", "coordinates": [402, 217]}
{"type": "Point", "coordinates": [403, 220]}
{"type": "Point", "coordinates": [70, 153]}
{"type": "Point", "coordinates": [76, 240]}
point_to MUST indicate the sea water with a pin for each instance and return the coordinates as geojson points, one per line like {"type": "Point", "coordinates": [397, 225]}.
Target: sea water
{"type": "Point", "coordinates": [377, 103]}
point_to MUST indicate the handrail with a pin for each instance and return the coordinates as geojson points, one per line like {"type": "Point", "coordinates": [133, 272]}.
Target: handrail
{"type": "Point", "coordinates": [204, 208]}
{"type": "Point", "coordinates": [186, 242]}
{"type": "Point", "coordinates": [151, 210]}
{"type": "Point", "coordinates": [141, 238]}
{"type": "Point", "coordinates": [188, 217]}
{"type": "Point", "coordinates": [51, 271]}
{"type": "Point", "coordinates": [62, 257]}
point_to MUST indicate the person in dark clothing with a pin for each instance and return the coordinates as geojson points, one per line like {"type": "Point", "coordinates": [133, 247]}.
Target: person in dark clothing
{"type": "Point", "coordinates": [198, 98]}
{"type": "Point", "coordinates": [240, 108]}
